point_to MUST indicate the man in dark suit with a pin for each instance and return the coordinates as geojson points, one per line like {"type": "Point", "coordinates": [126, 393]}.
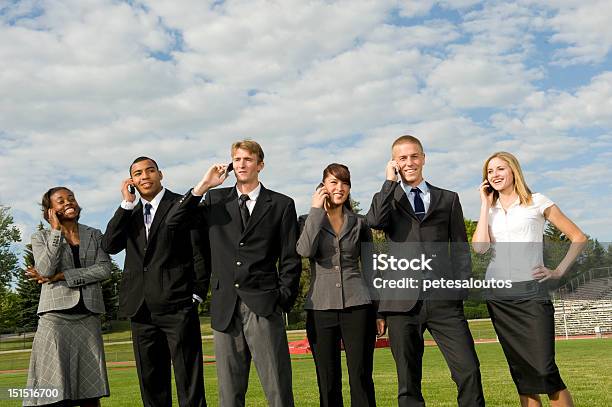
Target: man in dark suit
{"type": "Point", "coordinates": [250, 233]}
{"type": "Point", "coordinates": [427, 218]}
{"type": "Point", "coordinates": [161, 287]}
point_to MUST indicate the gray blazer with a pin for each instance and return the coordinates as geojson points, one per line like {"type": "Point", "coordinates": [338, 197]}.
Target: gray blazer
{"type": "Point", "coordinates": [52, 254]}
{"type": "Point", "coordinates": [336, 281]}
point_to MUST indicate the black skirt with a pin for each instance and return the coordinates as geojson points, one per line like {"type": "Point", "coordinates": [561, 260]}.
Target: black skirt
{"type": "Point", "coordinates": [526, 332]}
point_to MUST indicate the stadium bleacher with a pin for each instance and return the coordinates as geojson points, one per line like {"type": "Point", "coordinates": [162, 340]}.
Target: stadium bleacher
{"type": "Point", "coordinates": [586, 310]}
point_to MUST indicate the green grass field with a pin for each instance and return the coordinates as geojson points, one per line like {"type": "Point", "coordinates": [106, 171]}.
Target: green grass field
{"type": "Point", "coordinates": [584, 367]}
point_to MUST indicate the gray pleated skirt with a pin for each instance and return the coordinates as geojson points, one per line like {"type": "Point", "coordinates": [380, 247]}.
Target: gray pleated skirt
{"type": "Point", "coordinates": [68, 359]}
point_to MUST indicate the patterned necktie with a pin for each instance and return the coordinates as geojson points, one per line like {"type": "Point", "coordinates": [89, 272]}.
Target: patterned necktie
{"type": "Point", "coordinates": [244, 210]}
{"type": "Point", "coordinates": [147, 218]}
{"type": "Point", "coordinates": [419, 206]}
{"type": "Point", "coordinates": [147, 213]}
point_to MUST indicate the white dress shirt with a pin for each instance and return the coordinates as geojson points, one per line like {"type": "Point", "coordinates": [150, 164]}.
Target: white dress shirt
{"type": "Point", "coordinates": [253, 195]}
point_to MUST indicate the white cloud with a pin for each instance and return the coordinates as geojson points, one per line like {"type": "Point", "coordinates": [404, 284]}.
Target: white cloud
{"type": "Point", "coordinates": [584, 27]}
{"type": "Point", "coordinates": [557, 112]}
{"type": "Point", "coordinates": [85, 86]}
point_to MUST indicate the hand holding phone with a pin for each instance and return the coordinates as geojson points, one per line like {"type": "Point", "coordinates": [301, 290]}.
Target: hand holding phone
{"type": "Point", "coordinates": [213, 177]}
{"type": "Point", "coordinates": [320, 196]}
{"type": "Point", "coordinates": [392, 170]}
{"type": "Point", "coordinates": [128, 191]}
{"type": "Point", "coordinates": [54, 220]}
{"type": "Point", "coordinates": [486, 192]}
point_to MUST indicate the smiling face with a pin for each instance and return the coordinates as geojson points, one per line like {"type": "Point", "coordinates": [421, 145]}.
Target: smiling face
{"type": "Point", "coordinates": [411, 160]}
{"type": "Point", "coordinates": [146, 178]}
{"type": "Point", "coordinates": [338, 190]}
{"type": "Point", "coordinates": [65, 205]}
{"type": "Point", "coordinates": [246, 166]}
{"type": "Point", "coordinates": [499, 174]}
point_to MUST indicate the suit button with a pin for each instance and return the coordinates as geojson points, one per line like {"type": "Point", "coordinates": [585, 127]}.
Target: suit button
{"type": "Point", "coordinates": [338, 285]}
{"type": "Point", "coordinates": [237, 285]}
{"type": "Point", "coordinates": [241, 244]}
{"type": "Point", "coordinates": [239, 263]}
{"type": "Point", "coordinates": [146, 269]}
{"type": "Point", "coordinates": [337, 268]}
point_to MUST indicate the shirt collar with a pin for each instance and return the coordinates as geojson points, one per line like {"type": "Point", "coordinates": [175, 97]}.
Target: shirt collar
{"type": "Point", "coordinates": [498, 204]}
{"type": "Point", "coordinates": [253, 195]}
{"type": "Point", "coordinates": [422, 186]}
{"type": "Point", "coordinates": [155, 201]}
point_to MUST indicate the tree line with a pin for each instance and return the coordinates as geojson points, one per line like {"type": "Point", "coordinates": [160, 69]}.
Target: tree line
{"type": "Point", "coordinates": [19, 296]}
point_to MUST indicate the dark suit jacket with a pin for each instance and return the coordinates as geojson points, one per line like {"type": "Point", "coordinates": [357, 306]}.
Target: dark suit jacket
{"type": "Point", "coordinates": [244, 263]}
{"type": "Point", "coordinates": [441, 235]}
{"type": "Point", "coordinates": [160, 270]}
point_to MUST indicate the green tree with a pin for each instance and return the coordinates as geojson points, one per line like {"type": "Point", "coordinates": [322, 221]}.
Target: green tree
{"type": "Point", "coordinates": [8, 311]}
{"type": "Point", "coordinates": [9, 234]}
{"type": "Point", "coordinates": [110, 294]}
{"type": "Point", "coordinates": [28, 293]}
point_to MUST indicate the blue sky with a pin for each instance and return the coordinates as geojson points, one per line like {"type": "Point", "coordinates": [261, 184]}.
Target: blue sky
{"type": "Point", "coordinates": [86, 86]}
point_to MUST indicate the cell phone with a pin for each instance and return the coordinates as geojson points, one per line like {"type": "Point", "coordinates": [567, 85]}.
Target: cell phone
{"type": "Point", "coordinates": [131, 189]}
{"type": "Point", "coordinates": [319, 186]}
{"type": "Point", "coordinates": [230, 168]}
{"type": "Point", "coordinates": [489, 188]}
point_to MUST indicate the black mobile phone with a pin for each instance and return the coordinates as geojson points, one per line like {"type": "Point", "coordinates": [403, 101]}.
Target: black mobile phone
{"type": "Point", "coordinates": [228, 169]}
{"type": "Point", "coordinates": [131, 189]}
{"type": "Point", "coordinates": [489, 188]}
{"type": "Point", "coordinates": [319, 186]}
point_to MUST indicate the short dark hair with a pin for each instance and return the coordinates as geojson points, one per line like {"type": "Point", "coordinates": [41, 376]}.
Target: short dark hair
{"type": "Point", "coordinates": [46, 201]}
{"type": "Point", "coordinates": [143, 158]}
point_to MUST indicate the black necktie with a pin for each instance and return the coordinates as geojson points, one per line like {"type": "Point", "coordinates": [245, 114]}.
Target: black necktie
{"type": "Point", "coordinates": [244, 210]}
{"type": "Point", "coordinates": [419, 206]}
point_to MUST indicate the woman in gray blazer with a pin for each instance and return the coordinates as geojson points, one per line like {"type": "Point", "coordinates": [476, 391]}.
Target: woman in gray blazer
{"type": "Point", "coordinates": [338, 304]}
{"type": "Point", "coordinates": [67, 353]}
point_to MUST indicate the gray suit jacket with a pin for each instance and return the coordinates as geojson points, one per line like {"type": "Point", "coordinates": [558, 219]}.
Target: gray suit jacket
{"type": "Point", "coordinates": [336, 280]}
{"type": "Point", "coordinates": [52, 254]}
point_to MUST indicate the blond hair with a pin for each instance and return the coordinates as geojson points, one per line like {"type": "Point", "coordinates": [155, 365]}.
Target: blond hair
{"type": "Point", "coordinates": [407, 139]}
{"type": "Point", "coordinates": [251, 146]}
{"type": "Point", "coordinates": [520, 186]}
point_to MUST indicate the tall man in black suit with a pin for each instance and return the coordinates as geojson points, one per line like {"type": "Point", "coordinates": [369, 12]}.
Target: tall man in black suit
{"type": "Point", "coordinates": [251, 235]}
{"type": "Point", "coordinates": [413, 210]}
{"type": "Point", "coordinates": [162, 283]}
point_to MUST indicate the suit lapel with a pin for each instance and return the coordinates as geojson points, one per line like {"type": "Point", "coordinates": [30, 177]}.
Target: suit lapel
{"type": "Point", "coordinates": [347, 224]}
{"type": "Point", "coordinates": [231, 206]}
{"type": "Point", "coordinates": [160, 214]}
{"type": "Point", "coordinates": [327, 226]}
{"type": "Point", "coordinates": [434, 198]}
{"type": "Point", "coordinates": [402, 201]}
{"type": "Point", "coordinates": [139, 231]}
{"type": "Point", "coordinates": [85, 237]}
{"type": "Point", "coordinates": [349, 221]}
{"type": "Point", "coordinates": [262, 206]}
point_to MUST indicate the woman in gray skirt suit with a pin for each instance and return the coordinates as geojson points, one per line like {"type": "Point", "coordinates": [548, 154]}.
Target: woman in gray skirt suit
{"type": "Point", "coordinates": [67, 365]}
